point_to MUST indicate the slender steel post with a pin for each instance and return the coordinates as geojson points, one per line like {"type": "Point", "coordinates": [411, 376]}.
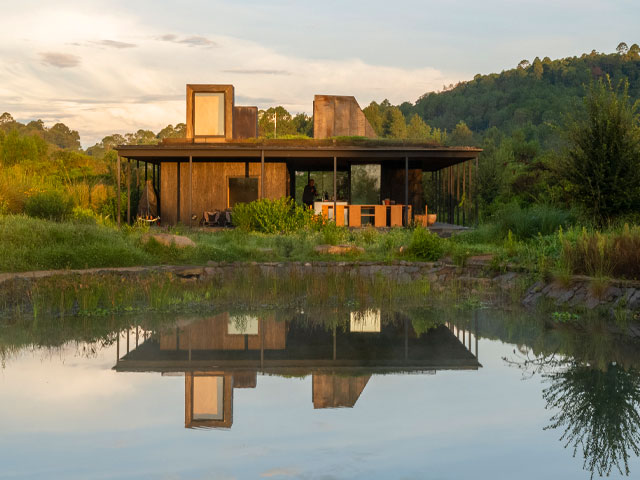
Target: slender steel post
{"type": "Point", "coordinates": [178, 194]}
{"type": "Point", "coordinates": [129, 191]}
{"type": "Point", "coordinates": [335, 188]}
{"type": "Point", "coordinates": [406, 191]}
{"type": "Point", "coordinates": [262, 174]}
{"type": "Point", "coordinates": [190, 188]}
{"type": "Point", "coordinates": [118, 200]}
{"type": "Point", "coordinates": [476, 197]}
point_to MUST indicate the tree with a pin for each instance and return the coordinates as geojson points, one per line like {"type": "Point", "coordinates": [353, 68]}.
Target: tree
{"type": "Point", "coordinates": [602, 165]}
{"type": "Point", "coordinates": [275, 121]}
{"type": "Point", "coordinates": [170, 131]}
{"type": "Point", "coordinates": [418, 129]}
{"type": "Point", "coordinates": [63, 136]}
{"type": "Point", "coordinates": [374, 116]}
{"type": "Point", "coordinates": [622, 48]}
{"type": "Point", "coordinates": [524, 64]}
{"type": "Point", "coordinates": [394, 125]}
{"type": "Point", "coordinates": [598, 411]}
{"type": "Point", "coordinates": [6, 118]}
{"type": "Point", "coordinates": [303, 124]}
{"type": "Point", "coordinates": [461, 135]}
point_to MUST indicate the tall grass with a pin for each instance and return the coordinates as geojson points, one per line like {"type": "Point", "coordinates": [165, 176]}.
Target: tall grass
{"type": "Point", "coordinates": [526, 223]}
{"type": "Point", "coordinates": [600, 254]}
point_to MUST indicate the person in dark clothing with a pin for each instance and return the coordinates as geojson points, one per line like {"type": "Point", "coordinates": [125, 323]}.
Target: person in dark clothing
{"type": "Point", "coordinates": [309, 194]}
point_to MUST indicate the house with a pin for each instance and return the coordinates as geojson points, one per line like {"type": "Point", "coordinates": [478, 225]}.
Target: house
{"type": "Point", "coordinates": [222, 162]}
{"type": "Point", "coordinates": [220, 353]}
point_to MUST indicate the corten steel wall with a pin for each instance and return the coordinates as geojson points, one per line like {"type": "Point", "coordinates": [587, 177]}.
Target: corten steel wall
{"type": "Point", "coordinates": [211, 334]}
{"type": "Point", "coordinates": [333, 391]}
{"type": "Point", "coordinates": [392, 186]}
{"type": "Point", "coordinates": [210, 186]}
{"type": "Point", "coordinates": [335, 116]}
{"type": "Point", "coordinates": [245, 122]}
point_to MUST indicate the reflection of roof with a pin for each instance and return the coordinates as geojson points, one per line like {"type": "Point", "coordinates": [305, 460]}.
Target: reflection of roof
{"type": "Point", "coordinates": [310, 352]}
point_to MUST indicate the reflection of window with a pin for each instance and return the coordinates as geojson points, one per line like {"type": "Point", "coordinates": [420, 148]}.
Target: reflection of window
{"type": "Point", "coordinates": [208, 114]}
{"type": "Point", "coordinates": [242, 190]}
{"type": "Point", "coordinates": [242, 325]}
{"type": "Point", "coordinates": [366, 321]}
{"type": "Point", "coordinates": [208, 398]}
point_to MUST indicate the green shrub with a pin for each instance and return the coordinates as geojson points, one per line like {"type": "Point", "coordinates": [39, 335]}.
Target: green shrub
{"type": "Point", "coordinates": [272, 216]}
{"type": "Point", "coordinates": [603, 254]}
{"type": "Point", "coordinates": [426, 245]}
{"type": "Point", "coordinates": [332, 234]}
{"type": "Point", "coordinates": [527, 223]}
{"type": "Point", "coordinates": [50, 205]}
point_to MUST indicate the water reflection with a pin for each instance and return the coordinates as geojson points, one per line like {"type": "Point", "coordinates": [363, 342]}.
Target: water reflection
{"type": "Point", "coordinates": [598, 411]}
{"type": "Point", "coordinates": [221, 353]}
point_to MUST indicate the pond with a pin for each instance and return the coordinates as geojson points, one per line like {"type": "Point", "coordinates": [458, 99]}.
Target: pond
{"type": "Point", "coordinates": [250, 393]}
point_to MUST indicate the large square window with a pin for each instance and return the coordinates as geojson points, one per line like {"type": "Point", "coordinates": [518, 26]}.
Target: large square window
{"type": "Point", "coordinates": [208, 398]}
{"type": "Point", "coordinates": [208, 114]}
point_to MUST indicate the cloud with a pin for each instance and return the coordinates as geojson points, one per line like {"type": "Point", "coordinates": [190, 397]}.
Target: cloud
{"type": "Point", "coordinates": [247, 71]}
{"type": "Point", "coordinates": [192, 41]}
{"type": "Point", "coordinates": [147, 90]}
{"type": "Point", "coordinates": [114, 44]}
{"type": "Point", "coordinates": [280, 472]}
{"type": "Point", "coordinates": [60, 60]}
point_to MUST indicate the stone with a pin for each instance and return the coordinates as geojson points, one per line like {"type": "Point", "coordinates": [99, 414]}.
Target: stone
{"type": "Point", "coordinates": [337, 249]}
{"type": "Point", "coordinates": [167, 239]}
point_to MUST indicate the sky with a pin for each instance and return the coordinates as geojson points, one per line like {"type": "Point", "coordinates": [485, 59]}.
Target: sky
{"type": "Point", "coordinates": [103, 67]}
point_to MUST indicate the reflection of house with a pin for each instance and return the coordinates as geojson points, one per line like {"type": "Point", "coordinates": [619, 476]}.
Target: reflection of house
{"type": "Point", "coordinates": [333, 391]}
{"type": "Point", "coordinates": [217, 166]}
{"type": "Point", "coordinates": [221, 353]}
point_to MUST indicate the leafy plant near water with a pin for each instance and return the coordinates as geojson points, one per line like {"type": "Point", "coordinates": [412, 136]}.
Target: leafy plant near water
{"type": "Point", "coordinates": [272, 216]}
{"type": "Point", "coordinates": [426, 245]}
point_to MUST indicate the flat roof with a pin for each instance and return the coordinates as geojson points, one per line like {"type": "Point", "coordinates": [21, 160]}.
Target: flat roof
{"type": "Point", "coordinates": [305, 153]}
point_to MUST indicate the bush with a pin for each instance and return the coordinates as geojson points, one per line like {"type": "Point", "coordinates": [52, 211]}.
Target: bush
{"type": "Point", "coordinates": [426, 245]}
{"type": "Point", "coordinates": [272, 216]}
{"type": "Point", "coordinates": [601, 254]}
{"type": "Point", "coordinates": [527, 223]}
{"type": "Point", "coordinates": [49, 205]}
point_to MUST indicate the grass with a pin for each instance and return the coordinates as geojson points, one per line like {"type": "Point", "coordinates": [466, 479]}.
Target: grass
{"type": "Point", "coordinates": [35, 244]}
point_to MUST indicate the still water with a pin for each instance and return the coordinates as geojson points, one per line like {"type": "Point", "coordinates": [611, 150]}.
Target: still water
{"type": "Point", "coordinates": [370, 394]}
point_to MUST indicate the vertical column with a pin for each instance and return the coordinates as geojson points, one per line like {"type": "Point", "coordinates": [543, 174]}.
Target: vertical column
{"type": "Point", "coordinates": [262, 174]}
{"type": "Point", "coordinates": [476, 203]}
{"type": "Point", "coordinates": [190, 188]}
{"type": "Point", "coordinates": [464, 193]}
{"type": "Point", "coordinates": [406, 191]}
{"type": "Point", "coordinates": [159, 190]}
{"type": "Point", "coordinates": [335, 187]}
{"type": "Point", "coordinates": [118, 200]}
{"type": "Point", "coordinates": [178, 193]}
{"type": "Point", "coordinates": [128, 191]}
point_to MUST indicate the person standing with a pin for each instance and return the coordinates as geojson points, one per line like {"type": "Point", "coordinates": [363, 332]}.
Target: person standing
{"type": "Point", "coordinates": [309, 194]}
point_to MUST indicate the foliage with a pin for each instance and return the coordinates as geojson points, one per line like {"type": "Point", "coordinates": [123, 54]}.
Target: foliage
{"type": "Point", "coordinates": [426, 245]}
{"type": "Point", "coordinates": [599, 413]}
{"type": "Point", "coordinates": [530, 222]}
{"type": "Point", "coordinates": [50, 205]}
{"type": "Point", "coordinates": [602, 165]}
{"type": "Point", "coordinates": [599, 254]}
{"type": "Point", "coordinates": [272, 216]}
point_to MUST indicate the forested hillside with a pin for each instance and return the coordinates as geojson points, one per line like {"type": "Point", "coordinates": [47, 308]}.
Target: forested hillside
{"type": "Point", "coordinates": [535, 95]}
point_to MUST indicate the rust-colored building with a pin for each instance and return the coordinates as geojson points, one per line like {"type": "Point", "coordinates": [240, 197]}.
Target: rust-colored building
{"type": "Point", "coordinates": [224, 352]}
{"type": "Point", "coordinates": [222, 162]}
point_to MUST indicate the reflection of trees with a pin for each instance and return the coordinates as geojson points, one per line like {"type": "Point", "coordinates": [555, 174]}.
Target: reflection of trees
{"type": "Point", "coordinates": [598, 410]}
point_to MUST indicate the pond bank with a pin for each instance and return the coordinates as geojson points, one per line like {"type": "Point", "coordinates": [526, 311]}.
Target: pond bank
{"type": "Point", "coordinates": [615, 298]}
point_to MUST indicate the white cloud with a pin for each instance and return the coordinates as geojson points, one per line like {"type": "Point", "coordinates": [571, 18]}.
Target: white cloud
{"type": "Point", "coordinates": [122, 89]}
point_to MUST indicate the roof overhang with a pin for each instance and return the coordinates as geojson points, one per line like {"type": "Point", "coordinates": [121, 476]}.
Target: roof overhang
{"type": "Point", "coordinates": [300, 156]}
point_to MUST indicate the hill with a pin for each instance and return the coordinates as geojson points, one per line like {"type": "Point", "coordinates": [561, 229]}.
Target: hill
{"type": "Point", "coordinates": [534, 95]}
